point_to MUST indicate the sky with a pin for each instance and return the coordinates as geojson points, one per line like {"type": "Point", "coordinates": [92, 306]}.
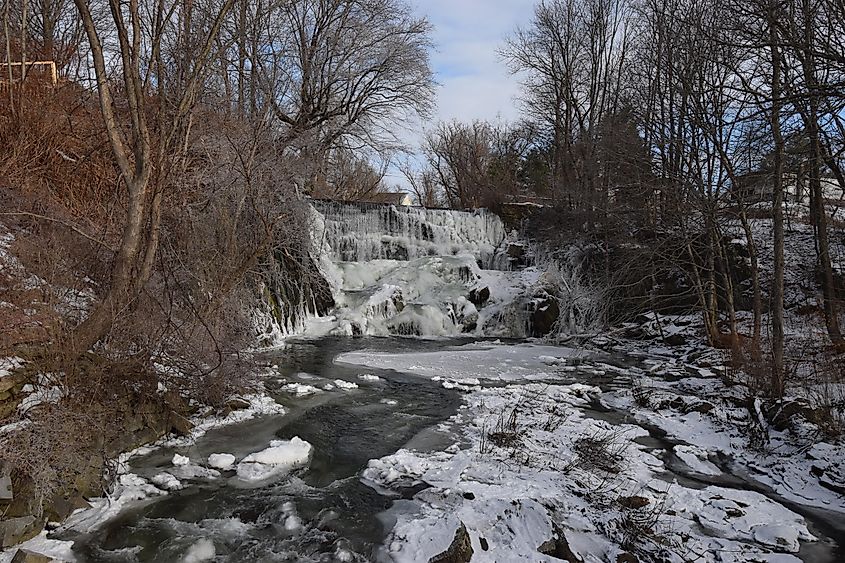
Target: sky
{"type": "Point", "coordinates": [473, 81]}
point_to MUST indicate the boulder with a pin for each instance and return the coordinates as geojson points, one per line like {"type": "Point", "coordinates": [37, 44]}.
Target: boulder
{"type": "Point", "coordinates": [479, 296]}
{"type": "Point", "coordinates": [237, 404]}
{"type": "Point", "coordinates": [180, 424]}
{"type": "Point", "coordinates": [6, 494]}
{"type": "Point", "coordinates": [460, 550]}
{"type": "Point", "coordinates": [544, 316]}
{"type": "Point", "coordinates": [558, 547]}
{"type": "Point", "coordinates": [16, 530]}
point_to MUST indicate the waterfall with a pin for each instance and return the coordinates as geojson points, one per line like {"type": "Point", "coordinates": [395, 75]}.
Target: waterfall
{"type": "Point", "coordinates": [363, 232]}
{"type": "Point", "coordinates": [411, 271]}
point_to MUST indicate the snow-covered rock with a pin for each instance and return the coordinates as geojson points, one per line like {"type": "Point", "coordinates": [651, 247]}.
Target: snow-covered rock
{"type": "Point", "coordinates": [281, 457]}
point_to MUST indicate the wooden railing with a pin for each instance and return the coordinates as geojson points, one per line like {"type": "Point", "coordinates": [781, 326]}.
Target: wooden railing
{"type": "Point", "coordinates": [8, 68]}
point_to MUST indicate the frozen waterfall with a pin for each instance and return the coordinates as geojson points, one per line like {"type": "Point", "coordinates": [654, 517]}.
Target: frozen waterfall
{"type": "Point", "coordinates": [362, 232]}
{"type": "Point", "coordinates": [392, 270]}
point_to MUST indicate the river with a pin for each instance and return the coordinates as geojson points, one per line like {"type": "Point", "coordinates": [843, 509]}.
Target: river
{"type": "Point", "coordinates": [336, 517]}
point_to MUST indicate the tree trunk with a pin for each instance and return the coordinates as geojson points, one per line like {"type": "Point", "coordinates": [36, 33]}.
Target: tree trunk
{"type": "Point", "coordinates": [778, 382]}
{"type": "Point", "coordinates": [817, 207]}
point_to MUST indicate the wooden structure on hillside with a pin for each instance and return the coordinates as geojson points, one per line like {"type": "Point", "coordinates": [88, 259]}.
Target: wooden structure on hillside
{"type": "Point", "coordinates": [8, 68]}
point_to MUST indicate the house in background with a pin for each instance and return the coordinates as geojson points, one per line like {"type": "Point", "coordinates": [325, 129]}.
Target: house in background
{"type": "Point", "coordinates": [389, 198]}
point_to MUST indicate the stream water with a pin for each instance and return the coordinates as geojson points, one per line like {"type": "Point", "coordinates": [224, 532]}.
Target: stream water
{"type": "Point", "coordinates": [339, 515]}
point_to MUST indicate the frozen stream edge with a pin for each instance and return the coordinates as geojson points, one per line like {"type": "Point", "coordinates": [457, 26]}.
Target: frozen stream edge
{"type": "Point", "coordinates": [539, 485]}
{"type": "Point", "coordinates": [515, 497]}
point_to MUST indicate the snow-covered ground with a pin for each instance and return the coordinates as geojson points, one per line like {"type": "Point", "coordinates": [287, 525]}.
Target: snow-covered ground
{"type": "Point", "coordinates": [532, 463]}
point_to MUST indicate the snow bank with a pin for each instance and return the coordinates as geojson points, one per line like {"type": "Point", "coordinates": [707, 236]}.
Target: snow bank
{"type": "Point", "coordinates": [221, 461]}
{"type": "Point", "coordinates": [528, 476]}
{"type": "Point", "coordinates": [281, 457]}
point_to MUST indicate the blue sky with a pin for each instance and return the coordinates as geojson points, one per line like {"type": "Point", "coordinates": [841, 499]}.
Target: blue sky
{"type": "Point", "coordinates": [473, 81]}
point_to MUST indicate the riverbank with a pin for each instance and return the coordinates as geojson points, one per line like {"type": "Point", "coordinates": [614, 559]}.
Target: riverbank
{"type": "Point", "coordinates": [421, 448]}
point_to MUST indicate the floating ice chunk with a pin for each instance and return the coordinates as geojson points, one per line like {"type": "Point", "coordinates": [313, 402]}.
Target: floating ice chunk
{"type": "Point", "coordinates": [369, 377]}
{"type": "Point", "coordinates": [203, 550]}
{"type": "Point", "coordinates": [345, 385]}
{"type": "Point", "coordinates": [281, 457]}
{"type": "Point", "coordinates": [180, 460]}
{"type": "Point", "coordinates": [166, 481]}
{"type": "Point", "coordinates": [300, 389]}
{"type": "Point", "coordinates": [390, 402]}
{"type": "Point", "coordinates": [193, 472]}
{"type": "Point", "coordinates": [696, 459]}
{"type": "Point", "coordinates": [328, 386]}
{"type": "Point", "coordinates": [221, 461]}
{"type": "Point", "coordinates": [551, 360]}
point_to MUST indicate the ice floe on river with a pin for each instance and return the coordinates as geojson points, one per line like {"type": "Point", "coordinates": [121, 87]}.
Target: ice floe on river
{"type": "Point", "coordinates": [281, 457]}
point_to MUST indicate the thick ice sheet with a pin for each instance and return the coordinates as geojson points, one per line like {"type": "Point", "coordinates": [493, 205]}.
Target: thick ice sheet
{"type": "Point", "coordinates": [490, 362]}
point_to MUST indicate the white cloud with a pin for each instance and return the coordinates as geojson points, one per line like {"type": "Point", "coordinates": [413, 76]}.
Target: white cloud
{"type": "Point", "coordinates": [474, 81]}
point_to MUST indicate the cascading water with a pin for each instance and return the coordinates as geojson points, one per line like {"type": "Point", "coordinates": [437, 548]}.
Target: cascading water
{"type": "Point", "coordinates": [383, 270]}
{"type": "Point", "coordinates": [363, 232]}
{"type": "Point", "coordinates": [415, 271]}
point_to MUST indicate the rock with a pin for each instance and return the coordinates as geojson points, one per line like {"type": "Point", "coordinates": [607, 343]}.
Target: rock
{"type": "Point", "coordinates": [62, 507]}
{"type": "Point", "coordinates": [180, 425]}
{"type": "Point", "coordinates": [237, 404]}
{"type": "Point", "coordinates": [634, 502]}
{"type": "Point", "coordinates": [675, 340]}
{"type": "Point", "coordinates": [16, 530]}
{"type": "Point", "coordinates": [460, 551]}
{"type": "Point", "coordinates": [479, 296]}
{"type": "Point", "coordinates": [516, 250]}
{"type": "Point", "coordinates": [781, 414]}
{"type": "Point", "coordinates": [544, 316]}
{"type": "Point", "coordinates": [558, 547]}
{"type": "Point", "coordinates": [6, 493]}
{"type": "Point", "coordinates": [627, 558]}
{"type": "Point", "coordinates": [27, 556]}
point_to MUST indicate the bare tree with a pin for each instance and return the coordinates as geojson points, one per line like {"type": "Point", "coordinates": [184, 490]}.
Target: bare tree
{"type": "Point", "coordinates": [134, 153]}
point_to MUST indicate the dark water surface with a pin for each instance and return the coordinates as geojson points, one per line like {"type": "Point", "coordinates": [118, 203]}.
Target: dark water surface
{"type": "Point", "coordinates": [338, 512]}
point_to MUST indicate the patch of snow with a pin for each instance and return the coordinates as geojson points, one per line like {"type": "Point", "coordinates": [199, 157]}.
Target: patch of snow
{"type": "Point", "coordinates": [281, 457]}
{"type": "Point", "coordinates": [58, 550]}
{"type": "Point", "coordinates": [369, 377]}
{"type": "Point", "coordinates": [696, 459]}
{"type": "Point", "coordinates": [179, 459]}
{"type": "Point", "coordinates": [221, 461]}
{"type": "Point", "coordinates": [484, 362]}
